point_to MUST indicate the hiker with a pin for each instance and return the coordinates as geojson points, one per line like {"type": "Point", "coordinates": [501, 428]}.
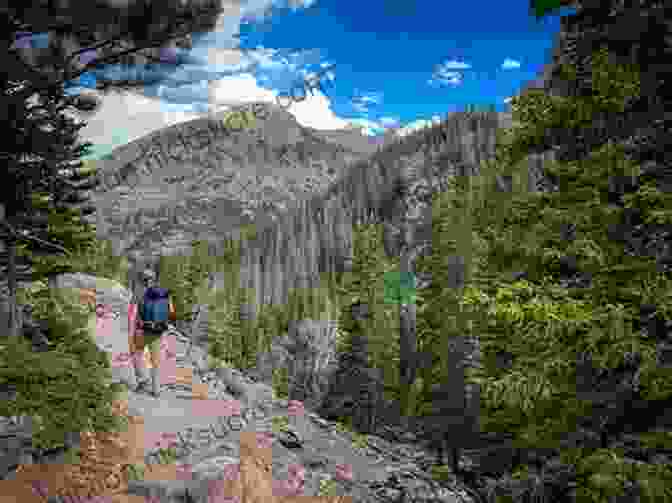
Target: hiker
{"type": "Point", "coordinates": [155, 309]}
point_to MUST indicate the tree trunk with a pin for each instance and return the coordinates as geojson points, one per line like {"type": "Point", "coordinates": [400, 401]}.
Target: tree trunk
{"type": "Point", "coordinates": [455, 459]}
{"type": "Point", "coordinates": [407, 344]}
{"type": "Point", "coordinates": [407, 332]}
{"type": "Point", "coordinates": [11, 283]}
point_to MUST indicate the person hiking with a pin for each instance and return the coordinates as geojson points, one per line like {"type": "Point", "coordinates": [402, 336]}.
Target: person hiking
{"type": "Point", "coordinates": [155, 309]}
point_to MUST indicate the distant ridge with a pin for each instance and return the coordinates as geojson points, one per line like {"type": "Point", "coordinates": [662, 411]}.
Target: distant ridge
{"type": "Point", "coordinates": [198, 179]}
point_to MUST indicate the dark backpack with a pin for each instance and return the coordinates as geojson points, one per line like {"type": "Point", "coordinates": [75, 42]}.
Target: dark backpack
{"type": "Point", "coordinates": [155, 309]}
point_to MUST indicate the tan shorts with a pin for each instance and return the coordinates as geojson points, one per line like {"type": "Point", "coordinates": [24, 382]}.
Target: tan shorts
{"type": "Point", "coordinates": [152, 341]}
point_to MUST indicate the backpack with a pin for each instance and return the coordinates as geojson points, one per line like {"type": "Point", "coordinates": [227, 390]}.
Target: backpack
{"type": "Point", "coordinates": [156, 309]}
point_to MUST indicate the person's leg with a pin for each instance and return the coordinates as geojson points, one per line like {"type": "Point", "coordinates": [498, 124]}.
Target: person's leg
{"type": "Point", "coordinates": [155, 352]}
{"type": "Point", "coordinates": [141, 370]}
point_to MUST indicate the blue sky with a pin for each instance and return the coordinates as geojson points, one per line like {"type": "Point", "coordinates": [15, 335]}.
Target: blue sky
{"type": "Point", "coordinates": [394, 63]}
{"type": "Point", "coordinates": [411, 59]}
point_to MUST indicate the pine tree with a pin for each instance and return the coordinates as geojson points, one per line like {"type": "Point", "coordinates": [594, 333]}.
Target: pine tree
{"type": "Point", "coordinates": [549, 326]}
{"type": "Point", "coordinates": [62, 197]}
{"type": "Point", "coordinates": [356, 389]}
{"type": "Point", "coordinates": [93, 30]}
{"type": "Point", "coordinates": [131, 34]}
{"type": "Point", "coordinates": [29, 171]}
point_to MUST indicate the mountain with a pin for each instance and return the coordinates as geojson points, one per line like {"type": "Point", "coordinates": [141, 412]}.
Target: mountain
{"type": "Point", "coordinates": [198, 179]}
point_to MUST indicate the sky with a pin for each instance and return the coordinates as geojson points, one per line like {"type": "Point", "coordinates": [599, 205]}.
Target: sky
{"type": "Point", "coordinates": [384, 63]}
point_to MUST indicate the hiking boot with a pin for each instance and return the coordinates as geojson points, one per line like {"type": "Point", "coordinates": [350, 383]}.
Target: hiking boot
{"type": "Point", "coordinates": [142, 386]}
{"type": "Point", "coordinates": [140, 366]}
{"type": "Point", "coordinates": [156, 384]}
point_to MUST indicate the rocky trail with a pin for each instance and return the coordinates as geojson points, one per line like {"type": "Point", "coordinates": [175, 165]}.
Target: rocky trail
{"type": "Point", "coordinates": [203, 413]}
{"type": "Point", "coordinates": [208, 441]}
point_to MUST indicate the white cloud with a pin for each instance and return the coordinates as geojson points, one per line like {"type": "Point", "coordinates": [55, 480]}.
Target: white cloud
{"type": "Point", "coordinates": [389, 121]}
{"type": "Point", "coordinates": [124, 117]}
{"type": "Point", "coordinates": [445, 73]}
{"type": "Point", "coordinates": [417, 125]}
{"type": "Point", "coordinates": [454, 65]}
{"type": "Point", "coordinates": [363, 102]}
{"type": "Point", "coordinates": [300, 4]}
{"type": "Point", "coordinates": [194, 94]}
{"type": "Point", "coordinates": [228, 58]}
{"type": "Point", "coordinates": [451, 78]}
{"type": "Point", "coordinates": [368, 127]}
{"type": "Point", "coordinates": [315, 111]}
{"type": "Point", "coordinates": [508, 64]}
{"type": "Point", "coordinates": [231, 91]}
{"type": "Point", "coordinates": [136, 115]}
{"type": "Point", "coordinates": [264, 58]}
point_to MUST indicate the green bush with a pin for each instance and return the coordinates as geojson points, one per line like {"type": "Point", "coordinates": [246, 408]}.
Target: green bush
{"type": "Point", "coordinates": [65, 390]}
{"type": "Point", "coordinates": [88, 255]}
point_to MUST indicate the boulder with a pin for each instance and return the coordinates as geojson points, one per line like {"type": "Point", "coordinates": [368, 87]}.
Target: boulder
{"type": "Point", "coordinates": [244, 389]}
{"type": "Point", "coordinates": [198, 357]}
{"type": "Point", "coordinates": [108, 291]}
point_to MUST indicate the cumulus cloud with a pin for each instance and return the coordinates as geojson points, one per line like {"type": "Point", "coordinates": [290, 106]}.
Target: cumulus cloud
{"type": "Point", "coordinates": [232, 91]}
{"type": "Point", "coordinates": [315, 111]}
{"type": "Point", "coordinates": [125, 117]}
{"type": "Point", "coordinates": [218, 75]}
{"type": "Point", "coordinates": [509, 64]}
{"type": "Point", "coordinates": [137, 115]}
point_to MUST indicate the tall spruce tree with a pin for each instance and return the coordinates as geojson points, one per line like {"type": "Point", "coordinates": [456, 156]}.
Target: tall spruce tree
{"type": "Point", "coordinates": [62, 196]}
{"type": "Point", "coordinates": [356, 389]}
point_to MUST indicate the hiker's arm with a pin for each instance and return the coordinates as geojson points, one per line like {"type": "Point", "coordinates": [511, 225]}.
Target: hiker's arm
{"type": "Point", "coordinates": [172, 314]}
{"type": "Point", "coordinates": [138, 317]}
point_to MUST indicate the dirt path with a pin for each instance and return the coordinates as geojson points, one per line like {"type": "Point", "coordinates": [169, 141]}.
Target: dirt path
{"type": "Point", "coordinates": [101, 469]}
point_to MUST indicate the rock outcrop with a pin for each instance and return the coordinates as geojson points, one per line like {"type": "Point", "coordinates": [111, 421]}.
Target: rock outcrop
{"type": "Point", "coordinates": [200, 179]}
{"type": "Point", "coordinates": [108, 292]}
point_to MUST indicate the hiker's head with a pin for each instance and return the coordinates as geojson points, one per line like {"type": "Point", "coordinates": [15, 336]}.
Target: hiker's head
{"type": "Point", "coordinates": [149, 277]}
